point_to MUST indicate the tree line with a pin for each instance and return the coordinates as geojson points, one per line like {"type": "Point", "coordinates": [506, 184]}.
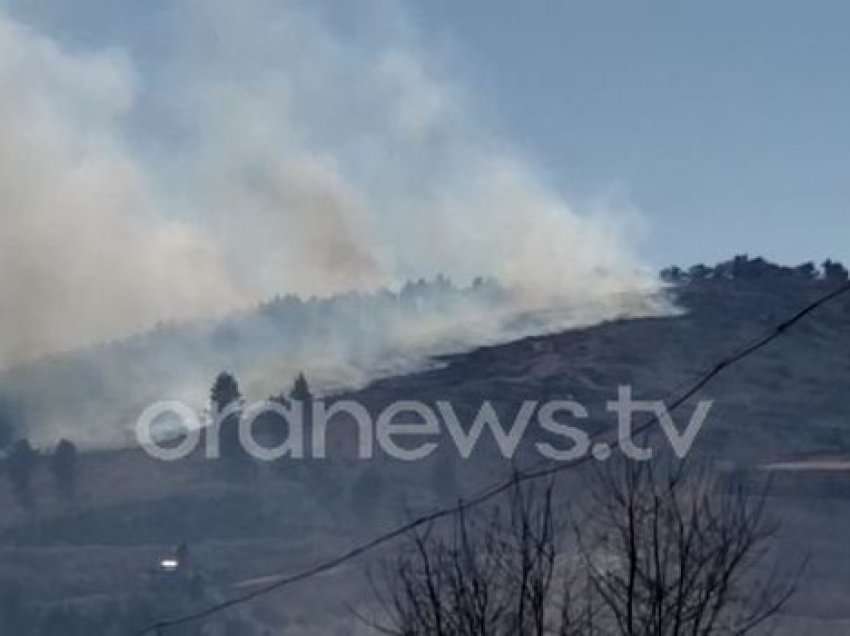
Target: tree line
{"type": "Point", "coordinates": [22, 460]}
{"type": "Point", "coordinates": [742, 267]}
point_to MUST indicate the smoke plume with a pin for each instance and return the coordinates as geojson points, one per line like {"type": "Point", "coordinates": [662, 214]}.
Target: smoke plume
{"type": "Point", "coordinates": [200, 156]}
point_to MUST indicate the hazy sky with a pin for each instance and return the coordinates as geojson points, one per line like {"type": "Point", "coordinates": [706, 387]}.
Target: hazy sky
{"type": "Point", "coordinates": [725, 123]}
{"type": "Point", "coordinates": [173, 160]}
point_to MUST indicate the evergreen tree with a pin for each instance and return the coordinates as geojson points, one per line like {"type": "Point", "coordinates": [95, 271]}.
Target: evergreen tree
{"type": "Point", "coordinates": [699, 272]}
{"type": "Point", "coordinates": [835, 272]}
{"type": "Point", "coordinates": [301, 390]}
{"type": "Point", "coordinates": [20, 465]}
{"type": "Point", "coordinates": [63, 466]}
{"type": "Point", "coordinates": [225, 391]}
{"type": "Point", "coordinates": [807, 271]}
{"type": "Point", "coordinates": [672, 274]}
{"type": "Point", "coordinates": [301, 393]}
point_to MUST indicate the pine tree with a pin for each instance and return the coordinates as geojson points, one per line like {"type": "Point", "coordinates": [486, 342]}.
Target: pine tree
{"type": "Point", "coordinates": [301, 390]}
{"type": "Point", "coordinates": [63, 466]}
{"type": "Point", "coordinates": [225, 391]}
{"type": "Point", "coordinates": [835, 271]}
{"type": "Point", "coordinates": [20, 465]}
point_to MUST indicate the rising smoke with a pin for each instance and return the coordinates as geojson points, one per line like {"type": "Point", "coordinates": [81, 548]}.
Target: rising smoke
{"type": "Point", "coordinates": [216, 153]}
{"type": "Point", "coordinates": [169, 161]}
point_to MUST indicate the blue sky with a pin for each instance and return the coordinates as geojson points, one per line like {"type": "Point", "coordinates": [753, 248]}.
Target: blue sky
{"type": "Point", "coordinates": [214, 153]}
{"type": "Point", "coordinates": [727, 123]}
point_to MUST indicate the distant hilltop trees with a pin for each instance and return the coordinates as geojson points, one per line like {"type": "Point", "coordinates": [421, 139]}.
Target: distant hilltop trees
{"type": "Point", "coordinates": [743, 267]}
{"type": "Point", "coordinates": [421, 296]}
{"type": "Point", "coordinates": [21, 462]}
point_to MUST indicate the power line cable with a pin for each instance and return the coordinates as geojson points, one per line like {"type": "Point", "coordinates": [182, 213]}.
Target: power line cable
{"type": "Point", "coordinates": [489, 493]}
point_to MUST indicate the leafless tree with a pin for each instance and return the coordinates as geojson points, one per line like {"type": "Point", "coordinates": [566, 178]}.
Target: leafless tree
{"type": "Point", "coordinates": [671, 550]}
{"type": "Point", "coordinates": [491, 573]}
{"type": "Point", "coordinates": [658, 550]}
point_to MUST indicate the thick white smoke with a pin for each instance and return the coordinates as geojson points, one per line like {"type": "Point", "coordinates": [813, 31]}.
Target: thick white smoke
{"type": "Point", "coordinates": [84, 251]}
{"type": "Point", "coordinates": [234, 150]}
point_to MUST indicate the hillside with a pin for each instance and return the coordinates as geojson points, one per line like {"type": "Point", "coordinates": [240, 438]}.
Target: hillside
{"type": "Point", "coordinates": [786, 404]}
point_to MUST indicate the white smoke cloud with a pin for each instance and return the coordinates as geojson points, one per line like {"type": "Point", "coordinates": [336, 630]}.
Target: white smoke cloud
{"type": "Point", "coordinates": [256, 148]}
{"type": "Point", "coordinates": [83, 252]}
